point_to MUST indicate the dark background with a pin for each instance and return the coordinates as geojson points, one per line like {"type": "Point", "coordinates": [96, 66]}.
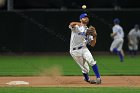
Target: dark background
{"type": "Point", "coordinates": [42, 25]}
{"type": "Point", "coordinates": [76, 3]}
{"type": "Point", "coordinates": [73, 4]}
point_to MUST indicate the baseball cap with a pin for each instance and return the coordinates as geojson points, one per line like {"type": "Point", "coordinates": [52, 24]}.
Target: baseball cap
{"type": "Point", "coordinates": [116, 20]}
{"type": "Point", "coordinates": [83, 15]}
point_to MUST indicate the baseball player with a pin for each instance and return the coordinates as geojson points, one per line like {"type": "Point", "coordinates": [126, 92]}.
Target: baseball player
{"type": "Point", "coordinates": [118, 36]}
{"type": "Point", "coordinates": [80, 37]}
{"type": "Point", "coordinates": [133, 39]}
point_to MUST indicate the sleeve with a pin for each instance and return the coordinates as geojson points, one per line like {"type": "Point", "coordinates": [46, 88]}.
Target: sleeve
{"type": "Point", "coordinates": [130, 33]}
{"type": "Point", "coordinates": [74, 29]}
{"type": "Point", "coordinates": [114, 29]}
{"type": "Point", "coordinates": [139, 34]}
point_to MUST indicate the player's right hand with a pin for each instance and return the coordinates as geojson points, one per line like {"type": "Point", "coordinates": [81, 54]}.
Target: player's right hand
{"type": "Point", "coordinates": [72, 24]}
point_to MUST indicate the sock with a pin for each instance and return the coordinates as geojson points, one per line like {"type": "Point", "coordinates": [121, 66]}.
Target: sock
{"type": "Point", "coordinates": [86, 76]}
{"type": "Point", "coordinates": [95, 69]}
{"type": "Point", "coordinates": [119, 53]}
{"type": "Point", "coordinates": [115, 50]}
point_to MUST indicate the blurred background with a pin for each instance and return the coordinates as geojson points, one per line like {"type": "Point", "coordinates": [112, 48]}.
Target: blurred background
{"type": "Point", "coordinates": [42, 25]}
{"type": "Point", "coordinates": [71, 4]}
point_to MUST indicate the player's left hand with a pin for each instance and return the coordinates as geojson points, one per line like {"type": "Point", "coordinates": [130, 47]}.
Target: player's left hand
{"type": "Point", "coordinates": [91, 31]}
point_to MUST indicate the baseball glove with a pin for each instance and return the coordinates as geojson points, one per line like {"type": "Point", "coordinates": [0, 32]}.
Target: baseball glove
{"type": "Point", "coordinates": [91, 31]}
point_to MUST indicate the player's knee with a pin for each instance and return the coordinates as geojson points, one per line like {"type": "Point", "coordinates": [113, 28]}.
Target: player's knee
{"type": "Point", "coordinates": [92, 62]}
{"type": "Point", "coordinates": [70, 52]}
{"type": "Point", "coordinates": [111, 49]}
{"type": "Point", "coordinates": [85, 70]}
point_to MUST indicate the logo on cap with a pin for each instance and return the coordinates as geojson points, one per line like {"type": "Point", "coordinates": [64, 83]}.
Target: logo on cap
{"type": "Point", "coordinates": [83, 15]}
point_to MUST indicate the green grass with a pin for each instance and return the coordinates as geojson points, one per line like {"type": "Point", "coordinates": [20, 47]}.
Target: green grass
{"type": "Point", "coordinates": [34, 65]}
{"type": "Point", "coordinates": [69, 90]}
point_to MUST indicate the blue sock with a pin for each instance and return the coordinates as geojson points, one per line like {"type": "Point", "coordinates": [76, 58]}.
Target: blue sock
{"type": "Point", "coordinates": [115, 50]}
{"type": "Point", "coordinates": [118, 53]}
{"type": "Point", "coordinates": [86, 76]}
{"type": "Point", "coordinates": [95, 69]}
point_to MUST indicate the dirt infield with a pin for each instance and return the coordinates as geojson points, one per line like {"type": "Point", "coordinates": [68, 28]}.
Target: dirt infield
{"type": "Point", "coordinates": [72, 81]}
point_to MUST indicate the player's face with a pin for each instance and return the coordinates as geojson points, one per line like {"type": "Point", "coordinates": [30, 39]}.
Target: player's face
{"type": "Point", "coordinates": [136, 28]}
{"type": "Point", "coordinates": [85, 20]}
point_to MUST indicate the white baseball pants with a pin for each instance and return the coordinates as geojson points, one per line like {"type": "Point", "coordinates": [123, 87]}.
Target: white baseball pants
{"type": "Point", "coordinates": [117, 43]}
{"type": "Point", "coordinates": [83, 57]}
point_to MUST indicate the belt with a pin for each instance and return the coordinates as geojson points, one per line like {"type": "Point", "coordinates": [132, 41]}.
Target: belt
{"type": "Point", "coordinates": [76, 48]}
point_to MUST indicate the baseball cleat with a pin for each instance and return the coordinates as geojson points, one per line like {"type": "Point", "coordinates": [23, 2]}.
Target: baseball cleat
{"type": "Point", "coordinates": [97, 81]}
{"type": "Point", "coordinates": [92, 82]}
{"type": "Point", "coordinates": [87, 80]}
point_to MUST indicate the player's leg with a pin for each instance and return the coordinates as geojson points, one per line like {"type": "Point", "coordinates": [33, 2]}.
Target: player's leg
{"type": "Point", "coordinates": [130, 47]}
{"type": "Point", "coordinates": [83, 65]}
{"type": "Point", "coordinates": [116, 47]}
{"type": "Point", "coordinates": [88, 57]}
{"type": "Point", "coordinates": [85, 74]}
{"type": "Point", "coordinates": [120, 53]}
{"type": "Point", "coordinates": [113, 45]}
{"type": "Point", "coordinates": [135, 49]}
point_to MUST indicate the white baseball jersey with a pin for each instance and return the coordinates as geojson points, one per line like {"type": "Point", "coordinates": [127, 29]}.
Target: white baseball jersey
{"type": "Point", "coordinates": [133, 39]}
{"type": "Point", "coordinates": [133, 35]}
{"type": "Point", "coordinates": [118, 29]}
{"type": "Point", "coordinates": [78, 36]}
{"type": "Point", "coordinates": [118, 38]}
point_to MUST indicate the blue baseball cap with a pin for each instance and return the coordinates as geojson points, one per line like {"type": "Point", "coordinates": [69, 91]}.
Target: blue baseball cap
{"type": "Point", "coordinates": [83, 15]}
{"type": "Point", "coordinates": [116, 21]}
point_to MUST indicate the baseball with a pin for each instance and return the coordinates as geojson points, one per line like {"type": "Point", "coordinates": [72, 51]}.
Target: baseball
{"type": "Point", "coordinates": [84, 6]}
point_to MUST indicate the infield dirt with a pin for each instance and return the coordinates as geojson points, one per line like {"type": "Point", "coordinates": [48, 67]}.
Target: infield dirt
{"type": "Point", "coordinates": [73, 81]}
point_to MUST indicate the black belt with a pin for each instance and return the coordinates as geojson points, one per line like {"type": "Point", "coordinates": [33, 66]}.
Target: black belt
{"type": "Point", "coordinates": [77, 48]}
